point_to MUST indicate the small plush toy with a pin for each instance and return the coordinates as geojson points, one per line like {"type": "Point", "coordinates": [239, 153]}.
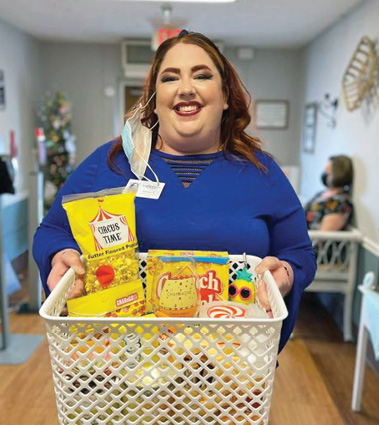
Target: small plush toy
{"type": "Point", "coordinates": [242, 290]}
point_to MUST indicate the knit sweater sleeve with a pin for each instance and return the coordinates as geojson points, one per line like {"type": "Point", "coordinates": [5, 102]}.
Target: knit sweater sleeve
{"type": "Point", "coordinates": [289, 241]}
{"type": "Point", "coordinates": [54, 233]}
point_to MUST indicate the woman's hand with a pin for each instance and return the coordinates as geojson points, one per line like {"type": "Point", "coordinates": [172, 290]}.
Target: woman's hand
{"type": "Point", "coordinates": [60, 263]}
{"type": "Point", "coordinates": [283, 279]}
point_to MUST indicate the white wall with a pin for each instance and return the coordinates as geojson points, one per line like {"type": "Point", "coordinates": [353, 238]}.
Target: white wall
{"type": "Point", "coordinates": [20, 61]}
{"type": "Point", "coordinates": [276, 75]}
{"type": "Point", "coordinates": [356, 133]}
{"type": "Point", "coordinates": [82, 71]}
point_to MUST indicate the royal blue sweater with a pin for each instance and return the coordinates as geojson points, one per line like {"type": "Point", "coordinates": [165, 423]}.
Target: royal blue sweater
{"type": "Point", "coordinates": [231, 206]}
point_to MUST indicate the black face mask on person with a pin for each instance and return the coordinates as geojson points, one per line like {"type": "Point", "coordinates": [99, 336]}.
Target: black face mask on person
{"type": "Point", "coordinates": [324, 178]}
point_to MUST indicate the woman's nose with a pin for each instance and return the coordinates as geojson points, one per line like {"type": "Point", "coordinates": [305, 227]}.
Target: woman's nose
{"type": "Point", "coordinates": [186, 88]}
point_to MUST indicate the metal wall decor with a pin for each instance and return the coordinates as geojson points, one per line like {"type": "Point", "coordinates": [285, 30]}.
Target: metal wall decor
{"type": "Point", "coordinates": [361, 74]}
{"type": "Point", "coordinates": [327, 108]}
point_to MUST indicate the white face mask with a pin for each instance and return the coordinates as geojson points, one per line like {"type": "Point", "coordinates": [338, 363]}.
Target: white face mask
{"type": "Point", "coordinates": [136, 142]}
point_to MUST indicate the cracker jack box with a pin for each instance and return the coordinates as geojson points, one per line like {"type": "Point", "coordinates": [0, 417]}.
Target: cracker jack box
{"type": "Point", "coordinates": [212, 268]}
{"type": "Point", "coordinates": [127, 300]}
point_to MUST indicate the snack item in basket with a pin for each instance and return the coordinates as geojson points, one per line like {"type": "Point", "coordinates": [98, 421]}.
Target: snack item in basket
{"type": "Point", "coordinates": [105, 349]}
{"type": "Point", "coordinates": [103, 225]}
{"type": "Point", "coordinates": [236, 384]}
{"type": "Point", "coordinates": [91, 377]}
{"type": "Point", "coordinates": [232, 310]}
{"type": "Point", "coordinates": [127, 300]}
{"type": "Point", "coordinates": [212, 268]}
{"type": "Point", "coordinates": [175, 289]}
{"type": "Point", "coordinates": [242, 290]}
{"type": "Point", "coordinates": [154, 392]}
{"type": "Point", "coordinates": [225, 310]}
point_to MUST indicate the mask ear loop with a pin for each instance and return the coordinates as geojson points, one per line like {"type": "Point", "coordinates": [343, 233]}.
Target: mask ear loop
{"type": "Point", "coordinates": [155, 175]}
{"type": "Point", "coordinates": [143, 107]}
{"type": "Point", "coordinates": [147, 164]}
{"type": "Point", "coordinates": [140, 107]}
{"type": "Point", "coordinates": [154, 125]}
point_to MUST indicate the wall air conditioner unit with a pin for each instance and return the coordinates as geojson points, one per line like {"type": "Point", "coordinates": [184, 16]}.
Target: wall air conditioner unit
{"type": "Point", "coordinates": [136, 57]}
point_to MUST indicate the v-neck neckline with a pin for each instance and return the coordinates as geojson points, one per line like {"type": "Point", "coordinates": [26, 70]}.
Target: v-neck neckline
{"type": "Point", "coordinates": [215, 156]}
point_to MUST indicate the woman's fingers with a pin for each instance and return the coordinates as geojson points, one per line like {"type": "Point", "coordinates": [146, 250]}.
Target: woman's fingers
{"type": "Point", "coordinates": [55, 275]}
{"type": "Point", "coordinates": [71, 258]}
{"type": "Point", "coordinates": [61, 262]}
{"type": "Point", "coordinates": [79, 289]}
{"type": "Point", "coordinates": [281, 272]}
{"type": "Point", "coordinates": [262, 295]}
{"type": "Point", "coordinates": [268, 263]}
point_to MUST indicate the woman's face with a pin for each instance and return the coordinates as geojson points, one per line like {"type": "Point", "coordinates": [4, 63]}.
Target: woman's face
{"type": "Point", "coordinates": [329, 167]}
{"type": "Point", "coordinates": [325, 176]}
{"type": "Point", "coordinates": [189, 101]}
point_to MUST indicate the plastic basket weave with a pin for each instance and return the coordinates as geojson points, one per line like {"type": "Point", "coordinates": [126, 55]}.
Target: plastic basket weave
{"type": "Point", "coordinates": [163, 370]}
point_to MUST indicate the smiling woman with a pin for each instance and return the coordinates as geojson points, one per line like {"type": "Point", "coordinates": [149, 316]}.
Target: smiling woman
{"type": "Point", "coordinates": [222, 192]}
{"type": "Point", "coordinates": [190, 102]}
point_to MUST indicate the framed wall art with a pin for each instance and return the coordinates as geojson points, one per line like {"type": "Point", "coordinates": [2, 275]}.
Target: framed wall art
{"type": "Point", "coordinates": [2, 90]}
{"type": "Point", "coordinates": [310, 123]}
{"type": "Point", "coordinates": [272, 114]}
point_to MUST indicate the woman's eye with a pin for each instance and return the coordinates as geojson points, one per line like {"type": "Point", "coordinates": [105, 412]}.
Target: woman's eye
{"type": "Point", "coordinates": [203, 76]}
{"type": "Point", "coordinates": [167, 78]}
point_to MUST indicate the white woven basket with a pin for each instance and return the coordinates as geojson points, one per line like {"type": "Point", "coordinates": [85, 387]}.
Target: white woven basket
{"type": "Point", "coordinates": [154, 371]}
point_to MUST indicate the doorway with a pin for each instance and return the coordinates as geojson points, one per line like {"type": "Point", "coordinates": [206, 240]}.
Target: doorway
{"type": "Point", "coordinates": [130, 93]}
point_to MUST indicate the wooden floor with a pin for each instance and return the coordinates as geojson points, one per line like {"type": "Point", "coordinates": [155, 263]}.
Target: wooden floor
{"type": "Point", "coordinates": [313, 383]}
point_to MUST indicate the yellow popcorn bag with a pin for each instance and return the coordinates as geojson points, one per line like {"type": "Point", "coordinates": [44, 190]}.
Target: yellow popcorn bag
{"type": "Point", "coordinates": [103, 225]}
{"type": "Point", "coordinates": [212, 268]}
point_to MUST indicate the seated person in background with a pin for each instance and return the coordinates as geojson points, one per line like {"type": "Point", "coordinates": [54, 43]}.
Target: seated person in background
{"type": "Point", "coordinates": [332, 209]}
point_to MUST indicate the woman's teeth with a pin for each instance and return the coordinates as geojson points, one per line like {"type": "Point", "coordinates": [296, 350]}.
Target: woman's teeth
{"type": "Point", "coordinates": [189, 108]}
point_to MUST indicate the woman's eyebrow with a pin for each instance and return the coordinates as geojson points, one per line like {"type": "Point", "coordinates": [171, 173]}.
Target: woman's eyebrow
{"type": "Point", "coordinates": [175, 70]}
{"type": "Point", "coordinates": [193, 69]}
{"type": "Point", "coordinates": [198, 67]}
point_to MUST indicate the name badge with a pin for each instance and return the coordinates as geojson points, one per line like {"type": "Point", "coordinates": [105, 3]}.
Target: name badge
{"type": "Point", "coordinates": [146, 189]}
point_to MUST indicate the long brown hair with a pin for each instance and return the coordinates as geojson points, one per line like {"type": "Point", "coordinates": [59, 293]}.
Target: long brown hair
{"type": "Point", "coordinates": [235, 119]}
